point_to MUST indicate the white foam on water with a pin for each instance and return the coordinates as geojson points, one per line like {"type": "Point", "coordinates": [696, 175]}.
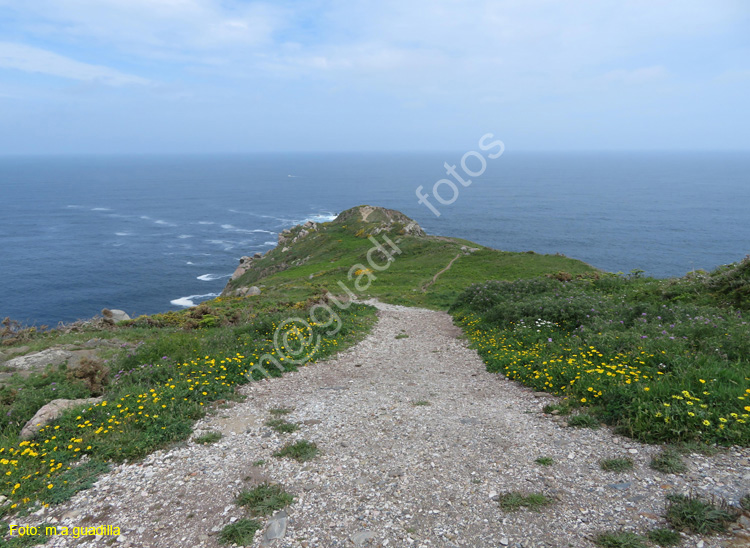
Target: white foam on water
{"type": "Point", "coordinates": [146, 217]}
{"type": "Point", "coordinates": [190, 262]}
{"type": "Point", "coordinates": [212, 277]}
{"type": "Point", "coordinates": [163, 223]}
{"type": "Point", "coordinates": [189, 300]}
{"type": "Point", "coordinates": [74, 207]}
{"type": "Point", "coordinates": [101, 209]}
{"type": "Point", "coordinates": [206, 223]}
{"type": "Point", "coordinates": [184, 236]}
{"type": "Point", "coordinates": [123, 233]}
{"type": "Point", "coordinates": [270, 243]}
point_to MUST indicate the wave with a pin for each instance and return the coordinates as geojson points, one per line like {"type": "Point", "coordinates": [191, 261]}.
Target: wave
{"type": "Point", "coordinates": [190, 262]}
{"type": "Point", "coordinates": [212, 277]}
{"type": "Point", "coordinates": [270, 243]}
{"type": "Point", "coordinates": [101, 209]}
{"type": "Point", "coordinates": [206, 223]}
{"type": "Point", "coordinates": [321, 217]}
{"type": "Point", "coordinates": [163, 223]}
{"type": "Point", "coordinates": [226, 246]}
{"type": "Point", "coordinates": [184, 236]}
{"type": "Point", "coordinates": [74, 207]}
{"type": "Point", "coordinates": [190, 299]}
{"type": "Point", "coordinates": [233, 228]}
{"type": "Point", "coordinates": [123, 233]}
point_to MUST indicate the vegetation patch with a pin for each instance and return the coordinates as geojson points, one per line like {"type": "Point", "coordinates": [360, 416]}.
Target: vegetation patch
{"type": "Point", "coordinates": [264, 499]}
{"type": "Point", "coordinates": [421, 403]}
{"type": "Point", "coordinates": [616, 465]}
{"type": "Point", "coordinates": [208, 438]}
{"type": "Point", "coordinates": [619, 539]}
{"type": "Point", "coordinates": [282, 426]}
{"type": "Point", "coordinates": [240, 533]}
{"type": "Point", "coordinates": [696, 515]}
{"type": "Point", "coordinates": [514, 500]}
{"type": "Point", "coordinates": [583, 420]}
{"type": "Point", "coordinates": [545, 461]}
{"type": "Point", "coordinates": [668, 461]}
{"type": "Point", "coordinates": [300, 451]}
{"type": "Point", "coordinates": [279, 411]}
{"type": "Point", "coordinates": [158, 386]}
{"type": "Point", "coordinates": [663, 361]}
{"type": "Point", "coordinates": [664, 537]}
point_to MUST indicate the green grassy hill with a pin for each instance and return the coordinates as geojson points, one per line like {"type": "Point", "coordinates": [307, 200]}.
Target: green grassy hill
{"type": "Point", "coordinates": [321, 258]}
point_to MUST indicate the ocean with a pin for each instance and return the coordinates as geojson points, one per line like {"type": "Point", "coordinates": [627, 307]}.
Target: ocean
{"type": "Point", "coordinates": [148, 234]}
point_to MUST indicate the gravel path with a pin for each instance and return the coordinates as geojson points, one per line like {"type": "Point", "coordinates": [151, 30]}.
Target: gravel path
{"type": "Point", "coordinates": [392, 473]}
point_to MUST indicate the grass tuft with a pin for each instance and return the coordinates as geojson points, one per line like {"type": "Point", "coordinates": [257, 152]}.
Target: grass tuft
{"type": "Point", "coordinates": [584, 420]}
{"type": "Point", "coordinates": [664, 537]}
{"type": "Point", "coordinates": [421, 403]}
{"type": "Point", "coordinates": [514, 500]}
{"type": "Point", "coordinates": [301, 451]}
{"type": "Point", "coordinates": [264, 499]}
{"type": "Point", "coordinates": [282, 426]}
{"type": "Point", "coordinates": [545, 461]}
{"type": "Point", "coordinates": [279, 411]}
{"type": "Point", "coordinates": [693, 514]}
{"type": "Point", "coordinates": [208, 438]}
{"type": "Point", "coordinates": [745, 502]}
{"type": "Point", "coordinates": [616, 465]}
{"type": "Point", "coordinates": [556, 409]}
{"type": "Point", "coordinates": [668, 462]}
{"type": "Point", "coordinates": [619, 539]}
{"type": "Point", "coordinates": [240, 532]}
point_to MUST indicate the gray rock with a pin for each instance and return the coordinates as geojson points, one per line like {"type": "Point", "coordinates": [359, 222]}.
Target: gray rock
{"type": "Point", "coordinates": [276, 528]}
{"type": "Point", "coordinates": [239, 271]}
{"type": "Point", "coordinates": [257, 255]}
{"type": "Point", "coordinates": [248, 291]}
{"type": "Point", "coordinates": [38, 360]}
{"type": "Point", "coordinates": [50, 412]}
{"type": "Point", "coordinates": [361, 538]}
{"type": "Point", "coordinates": [119, 315]}
{"type": "Point", "coordinates": [620, 486]}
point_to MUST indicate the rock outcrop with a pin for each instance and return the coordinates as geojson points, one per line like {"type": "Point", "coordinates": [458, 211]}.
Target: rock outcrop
{"type": "Point", "coordinates": [52, 411]}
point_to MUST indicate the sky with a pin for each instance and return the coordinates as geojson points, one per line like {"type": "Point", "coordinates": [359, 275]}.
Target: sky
{"type": "Point", "coordinates": [234, 76]}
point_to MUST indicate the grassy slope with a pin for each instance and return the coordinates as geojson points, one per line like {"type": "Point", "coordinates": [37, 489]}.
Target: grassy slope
{"type": "Point", "coordinates": [322, 259]}
{"type": "Point", "coordinates": [662, 360]}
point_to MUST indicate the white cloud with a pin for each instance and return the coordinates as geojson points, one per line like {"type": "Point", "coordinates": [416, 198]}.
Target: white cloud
{"type": "Point", "coordinates": [30, 59]}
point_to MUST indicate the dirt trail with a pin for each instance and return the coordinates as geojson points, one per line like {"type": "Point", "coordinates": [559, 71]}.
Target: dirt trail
{"type": "Point", "coordinates": [435, 277]}
{"type": "Point", "coordinates": [417, 440]}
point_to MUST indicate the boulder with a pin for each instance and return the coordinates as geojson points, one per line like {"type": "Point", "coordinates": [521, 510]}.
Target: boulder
{"type": "Point", "coordinates": [38, 360]}
{"type": "Point", "coordinates": [257, 255]}
{"type": "Point", "coordinates": [239, 271]}
{"type": "Point", "coordinates": [247, 291]}
{"type": "Point", "coordinates": [119, 315]}
{"type": "Point", "coordinates": [50, 412]}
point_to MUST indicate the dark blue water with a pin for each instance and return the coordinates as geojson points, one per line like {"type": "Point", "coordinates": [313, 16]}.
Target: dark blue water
{"type": "Point", "coordinates": [143, 233]}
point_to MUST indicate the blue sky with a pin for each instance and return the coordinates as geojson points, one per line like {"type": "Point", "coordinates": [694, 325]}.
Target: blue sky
{"type": "Point", "coordinates": [132, 76]}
